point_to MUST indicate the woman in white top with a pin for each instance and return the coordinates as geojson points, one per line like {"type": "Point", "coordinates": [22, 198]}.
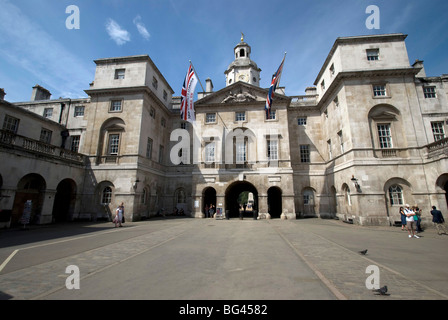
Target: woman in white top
{"type": "Point", "coordinates": [410, 221]}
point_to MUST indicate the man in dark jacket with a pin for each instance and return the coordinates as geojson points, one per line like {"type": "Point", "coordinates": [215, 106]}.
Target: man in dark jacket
{"type": "Point", "coordinates": [437, 218]}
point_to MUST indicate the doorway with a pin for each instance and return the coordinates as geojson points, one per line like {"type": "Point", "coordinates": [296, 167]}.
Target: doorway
{"type": "Point", "coordinates": [238, 193]}
{"type": "Point", "coordinates": [275, 202]}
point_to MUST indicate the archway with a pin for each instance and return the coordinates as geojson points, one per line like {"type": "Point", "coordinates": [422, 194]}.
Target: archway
{"type": "Point", "coordinates": [64, 201]}
{"type": "Point", "coordinates": [208, 198]}
{"type": "Point", "coordinates": [236, 192]}
{"type": "Point", "coordinates": [30, 187]}
{"type": "Point", "coordinates": [275, 202]}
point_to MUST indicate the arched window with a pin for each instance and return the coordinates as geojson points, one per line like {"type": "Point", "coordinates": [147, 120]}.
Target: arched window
{"type": "Point", "coordinates": [106, 197]}
{"type": "Point", "coordinates": [348, 196]}
{"type": "Point", "coordinates": [396, 195]}
{"type": "Point", "coordinates": [242, 53]}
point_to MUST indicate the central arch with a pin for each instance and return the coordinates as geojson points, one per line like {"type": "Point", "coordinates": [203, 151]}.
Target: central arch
{"type": "Point", "coordinates": [233, 193]}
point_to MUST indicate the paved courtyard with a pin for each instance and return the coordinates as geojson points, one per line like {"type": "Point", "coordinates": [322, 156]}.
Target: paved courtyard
{"type": "Point", "coordinates": [205, 259]}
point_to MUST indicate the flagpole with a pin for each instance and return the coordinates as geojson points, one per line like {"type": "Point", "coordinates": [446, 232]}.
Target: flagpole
{"type": "Point", "coordinates": [197, 76]}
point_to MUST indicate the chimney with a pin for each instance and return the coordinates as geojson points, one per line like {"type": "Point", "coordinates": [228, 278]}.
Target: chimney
{"type": "Point", "coordinates": [40, 93]}
{"type": "Point", "coordinates": [419, 64]}
{"type": "Point", "coordinates": [310, 91]}
{"type": "Point", "coordinates": [2, 94]}
{"type": "Point", "coordinates": [208, 85]}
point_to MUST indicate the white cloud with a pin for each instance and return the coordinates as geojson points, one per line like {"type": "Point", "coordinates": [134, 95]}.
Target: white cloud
{"type": "Point", "coordinates": [141, 27]}
{"type": "Point", "coordinates": [119, 35]}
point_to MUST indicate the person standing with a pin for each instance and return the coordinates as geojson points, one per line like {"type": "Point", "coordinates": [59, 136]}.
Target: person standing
{"type": "Point", "coordinates": [410, 221]}
{"type": "Point", "coordinates": [403, 219]}
{"type": "Point", "coordinates": [438, 220]}
{"type": "Point", "coordinates": [418, 218]}
{"type": "Point", "coordinates": [206, 209]}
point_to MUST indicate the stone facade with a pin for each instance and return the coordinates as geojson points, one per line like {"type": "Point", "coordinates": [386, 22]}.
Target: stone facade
{"type": "Point", "coordinates": [367, 138]}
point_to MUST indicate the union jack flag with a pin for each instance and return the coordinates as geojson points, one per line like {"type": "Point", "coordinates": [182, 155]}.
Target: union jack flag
{"type": "Point", "coordinates": [274, 83]}
{"type": "Point", "coordinates": [187, 96]}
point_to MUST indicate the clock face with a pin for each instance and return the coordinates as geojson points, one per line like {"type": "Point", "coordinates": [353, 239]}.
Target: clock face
{"type": "Point", "coordinates": [242, 77]}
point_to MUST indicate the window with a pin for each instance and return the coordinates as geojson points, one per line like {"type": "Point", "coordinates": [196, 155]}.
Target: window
{"type": "Point", "coordinates": [163, 122]}
{"type": "Point", "coordinates": [272, 115]}
{"type": "Point", "coordinates": [106, 195]}
{"type": "Point", "coordinates": [396, 195]}
{"type": "Point", "coordinates": [161, 150]}
{"type": "Point", "coordinates": [373, 54]}
{"type": "Point", "coordinates": [341, 141]}
{"type": "Point", "coordinates": [48, 112]}
{"type": "Point", "coordinates": [304, 153]}
{"type": "Point", "coordinates": [240, 116]}
{"type": "Point", "coordinates": [79, 111]}
{"type": "Point", "coordinates": [155, 83]}
{"type": "Point", "coordinates": [210, 152]}
{"type": "Point", "coordinates": [330, 155]}
{"type": "Point", "coordinates": [74, 146]}
{"type": "Point", "coordinates": [322, 84]}
{"type": "Point", "coordinates": [114, 142]}
{"type": "Point", "coordinates": [336, 102]}
{"type": "Point", "coordinates": [437, 130]}
{"type": "Point", "coordinates": [301, 121]}
{"type": "Point", "coordinates": [152, 113]}
{"type": "Point", "coordinates": [45, 136]}
{"type": "Point", "coordinates": [241, 152]}
{"type": "Point", "coordinates": [384, 136]}
{"type": "Point", "coordinates": [429, 92]}
{"type": "Point", "coordinates": [119, 73]}
{"type": "Point", "coordinates": [149, 148]}
{"type": "Point", "coordinates": [308, 198]}
{"type": "Point", "coordinates": [165, 95]}
{"type": "Point", "coordinates": [11, 124]}
{"type": "Point", "coordinates": [273, 150]}
{"type": "Point", "coordinates": [115, 106]}
{"type": "Point", "coordinates": [332, 69]}
{"type": "Point", "coordinates": [379, 90]}
{"type": "Point", "coordinates": [210, 118]}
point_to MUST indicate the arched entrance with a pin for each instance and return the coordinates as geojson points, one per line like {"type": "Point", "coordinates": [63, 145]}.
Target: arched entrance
{"type": "Point", "coordinates": [275, 202]}
{"type": "Point", "coordinates": [208, 198]}
{"type": "Point", "coordinates": [237, 192]}
{"type": "Point", "coordinates": [30, 187]}
{"type": "Point", "coordinates": [64, 201]}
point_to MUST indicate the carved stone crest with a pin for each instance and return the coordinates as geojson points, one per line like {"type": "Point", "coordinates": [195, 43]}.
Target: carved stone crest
{"type": "Point", "coordinates": [239, 97]}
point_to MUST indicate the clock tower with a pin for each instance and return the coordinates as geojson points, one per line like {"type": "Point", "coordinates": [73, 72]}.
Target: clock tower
{"type": "Point", "coordinates": [243, 68]}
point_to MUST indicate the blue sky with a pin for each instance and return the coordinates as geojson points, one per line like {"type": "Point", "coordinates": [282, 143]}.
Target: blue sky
{"type": "Point", "coordinates": [37, 48]}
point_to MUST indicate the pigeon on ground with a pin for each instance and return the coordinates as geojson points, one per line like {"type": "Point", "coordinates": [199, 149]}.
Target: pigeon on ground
{"type": "Point", "coordinates": [363, 252]}
{"type": "Point", "coordinates": [381, 291]}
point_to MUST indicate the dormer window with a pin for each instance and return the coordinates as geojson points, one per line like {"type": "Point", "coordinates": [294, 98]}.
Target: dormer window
{"type": "Point", "coordinates": [119, 73]}
{"type": "Point", "coordinates": [373, 54]}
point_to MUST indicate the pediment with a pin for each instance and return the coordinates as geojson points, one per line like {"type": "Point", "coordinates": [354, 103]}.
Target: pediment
{"type": "Point", "coordinates": [237, 93]}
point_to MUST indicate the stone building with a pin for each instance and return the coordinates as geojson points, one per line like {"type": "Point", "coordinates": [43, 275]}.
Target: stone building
{"type": "Point", "coordinates": [365, 139]}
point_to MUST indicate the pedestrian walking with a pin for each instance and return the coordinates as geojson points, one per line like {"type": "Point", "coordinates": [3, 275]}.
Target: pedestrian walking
{"type": "Point", "coordinates": [410, 222]}
{"type": "Point", "coordinates": [438, 220]}
{"type": "Point", "coordinates": [119, 215]}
